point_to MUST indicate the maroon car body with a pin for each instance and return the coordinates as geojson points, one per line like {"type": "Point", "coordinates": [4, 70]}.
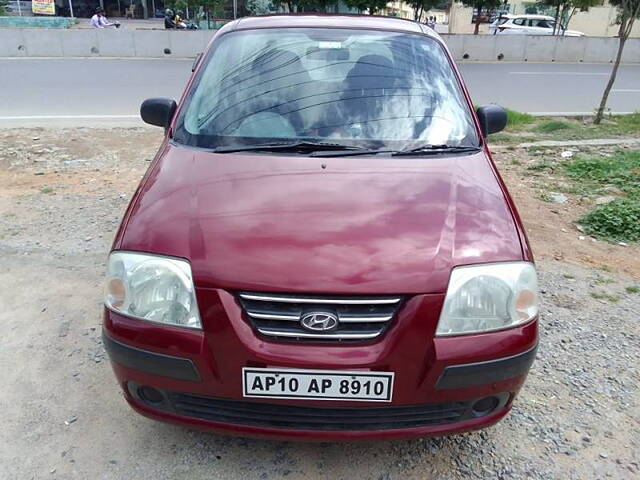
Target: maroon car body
{"type": "Point", "coordinates": [359, 226]}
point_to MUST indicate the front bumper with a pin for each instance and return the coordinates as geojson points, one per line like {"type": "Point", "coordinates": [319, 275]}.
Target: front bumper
{"type": "Point", "coordinates": [439, 381]}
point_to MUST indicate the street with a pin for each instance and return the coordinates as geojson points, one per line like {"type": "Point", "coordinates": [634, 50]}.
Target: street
{"type": "Point", "coordinates": [76, 91]}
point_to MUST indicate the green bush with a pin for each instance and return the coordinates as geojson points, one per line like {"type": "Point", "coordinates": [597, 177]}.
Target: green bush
{"type": "Point", "coordinates": [617, 221]}
{"type": "Point", "coordinates": [552, 126]}
{"type": "Point", "coordinates": [516, 118]}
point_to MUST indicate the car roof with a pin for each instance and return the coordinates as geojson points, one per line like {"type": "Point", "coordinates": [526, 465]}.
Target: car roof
{"type": "Point", "coordinates": [371, 22]}
{"type": "Point", "coordinates": [539, 17]}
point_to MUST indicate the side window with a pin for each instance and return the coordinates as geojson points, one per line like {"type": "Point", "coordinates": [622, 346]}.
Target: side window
{"type": "Point", "coordinates": [543, 24]}
{"type": "Point", "coordinates": [519, 21]}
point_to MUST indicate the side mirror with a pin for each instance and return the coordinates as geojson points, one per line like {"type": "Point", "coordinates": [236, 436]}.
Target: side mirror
{"type": "Point", "coordinates": [158, 111]}
{"type": "Point", "coordinates": [492, 118]}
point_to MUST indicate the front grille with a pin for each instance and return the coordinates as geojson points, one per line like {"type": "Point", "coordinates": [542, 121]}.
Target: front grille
{"type": "Point", "coordinates": [359, 318]}
{"type": "Point", "coordinates": [318, 418]}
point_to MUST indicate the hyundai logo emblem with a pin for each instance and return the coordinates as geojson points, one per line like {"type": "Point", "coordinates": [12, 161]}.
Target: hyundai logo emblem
{"type": "Point", "coordinates": [319, 321]}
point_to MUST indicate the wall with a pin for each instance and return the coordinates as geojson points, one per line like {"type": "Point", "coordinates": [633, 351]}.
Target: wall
{"type": "Point", "coordinates": [600, 22]}
{"type": "Point", "coordinates": [543, 48]}
{"type": "Point", "coordinates": [181, 44]}
{"type": "Point", "coordinates": [102, 43]}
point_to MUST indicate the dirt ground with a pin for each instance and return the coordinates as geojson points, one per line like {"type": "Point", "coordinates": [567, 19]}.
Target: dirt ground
{"type": "Point", "coordinates": [551, 227]}
{"type": "Point", "coordinates": [62, 193]}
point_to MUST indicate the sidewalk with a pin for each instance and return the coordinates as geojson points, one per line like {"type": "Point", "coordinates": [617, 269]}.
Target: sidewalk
{"type": "Point", "coordinates": [128, 23]}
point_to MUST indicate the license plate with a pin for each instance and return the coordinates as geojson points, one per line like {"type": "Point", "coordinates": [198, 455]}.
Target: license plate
{"type": "Point", "coordinates": [317, 384]}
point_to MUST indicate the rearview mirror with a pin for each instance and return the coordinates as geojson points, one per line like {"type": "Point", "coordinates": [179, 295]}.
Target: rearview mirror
{"type": "Point", "coordinates": [492, 118]}
{"type": "Point", "coordinates": [158, 111]}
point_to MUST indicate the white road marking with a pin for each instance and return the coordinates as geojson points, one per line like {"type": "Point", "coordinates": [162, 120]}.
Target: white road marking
{"type": "Point", "coordinates": [561, 73]}
{"type": "Point", "coordinates": [67, 117]}
{"type": "Point", "coordinates": [626, 90]}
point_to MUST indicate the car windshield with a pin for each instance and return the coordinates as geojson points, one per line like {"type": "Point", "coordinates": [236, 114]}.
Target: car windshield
{"type": "Point", "coordinates": [360, 88]}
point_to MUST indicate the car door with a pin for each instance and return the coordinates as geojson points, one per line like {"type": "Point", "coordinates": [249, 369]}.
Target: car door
{"type": "Point", "coordinates": [540, 26]}
{"type": "Point", "coordinates": [516, 25]}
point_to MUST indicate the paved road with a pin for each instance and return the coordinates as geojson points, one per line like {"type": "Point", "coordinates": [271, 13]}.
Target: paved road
{"type": "Point", "coordinates": [81, 91]}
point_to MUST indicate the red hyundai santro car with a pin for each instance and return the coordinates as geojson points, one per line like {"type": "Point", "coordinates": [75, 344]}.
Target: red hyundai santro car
{"type": "Point", "coordinates": [322, 248]}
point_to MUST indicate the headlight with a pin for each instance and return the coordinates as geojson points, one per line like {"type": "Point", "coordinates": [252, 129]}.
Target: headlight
{"type": "Point", "coordinates": [153, 288]}
{"type": "Point", "coordinates": [481, 298]}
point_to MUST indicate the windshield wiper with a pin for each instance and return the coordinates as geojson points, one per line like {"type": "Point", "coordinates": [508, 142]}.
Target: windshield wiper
{"type": "Point", "coordinates": [287, 147]}
{"type": "Point", "coordinates": [437, 149]}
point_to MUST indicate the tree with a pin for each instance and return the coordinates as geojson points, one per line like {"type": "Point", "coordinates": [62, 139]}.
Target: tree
{"type": "Point", "coordinates": [176, 5]}
{"type": "Point", "coordinates": [312, 5]}
{"type": "Point", "coordinates": [259, 7]}
{"type": "Point", "coordinates": [371, 5]}
{"type": "Point", "coordinates": [565, 9]}
{"type": "Point", "coordinates": [288, 5]}
{"type": "Point", "coordinates": [210, 8]}
{"type": "Point", "coordinates": [574, 6]}
{"type": "Point", "coordinates": [3, 7]}
{"type": "Point", "coordinates": [628, 12]}
{"type": "Point", "coordinates": [480, 5]}
{"type": "Point", "coordinates": [421, 6]}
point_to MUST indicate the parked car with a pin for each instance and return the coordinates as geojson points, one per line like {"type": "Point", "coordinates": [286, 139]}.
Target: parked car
{"type": "Point", "coordinates": [529, 25]}
{"type": "Point", "coordinates": [322, 247]}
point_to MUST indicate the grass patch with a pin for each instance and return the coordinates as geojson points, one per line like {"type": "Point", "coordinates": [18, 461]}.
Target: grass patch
{"type": "Point", "coordinates": [504, 138]}
{"type": "Point", "coordinates": [552, 126]}
{"type": "Point", "coordinates": [541, 167]}
{"type": "Point", "coordinates": [534, 150]}
{"type": "Point", "coordinates": [618, 221]}
{"type": "Point", "coordinates": [523, 127]}
{"type": "Point", "coordinates": [602, 281]}
{"type": "Point", "coordinates": [605, 296]}
{"type": "Point", "coordinates": [46, 190]}
{"type": "Point", "coordinates": [621, 169]}
{"type": "Point", "coordinates": [515, 119]}
{"type": "Point", "coordinates": [568, 277]}
{"type": "Point", "coordinates": [629, 123]}
{"type": "Point", "coordinates": [632, 289]}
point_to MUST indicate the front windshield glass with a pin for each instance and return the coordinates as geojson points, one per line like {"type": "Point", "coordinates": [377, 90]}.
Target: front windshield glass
{"type": "Point", "coordinates": [351, 87]}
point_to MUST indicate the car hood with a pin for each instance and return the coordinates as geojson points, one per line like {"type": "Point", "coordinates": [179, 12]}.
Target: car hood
{"type": "Point", "coordinates": [325, 225]}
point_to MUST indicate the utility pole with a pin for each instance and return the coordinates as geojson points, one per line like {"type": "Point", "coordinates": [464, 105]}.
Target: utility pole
{"type": "Point", "coordinates": [235, 9]}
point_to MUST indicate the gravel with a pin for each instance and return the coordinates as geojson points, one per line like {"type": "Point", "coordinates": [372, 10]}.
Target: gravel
{"type": "Point", "coordinates": [63, 416]}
